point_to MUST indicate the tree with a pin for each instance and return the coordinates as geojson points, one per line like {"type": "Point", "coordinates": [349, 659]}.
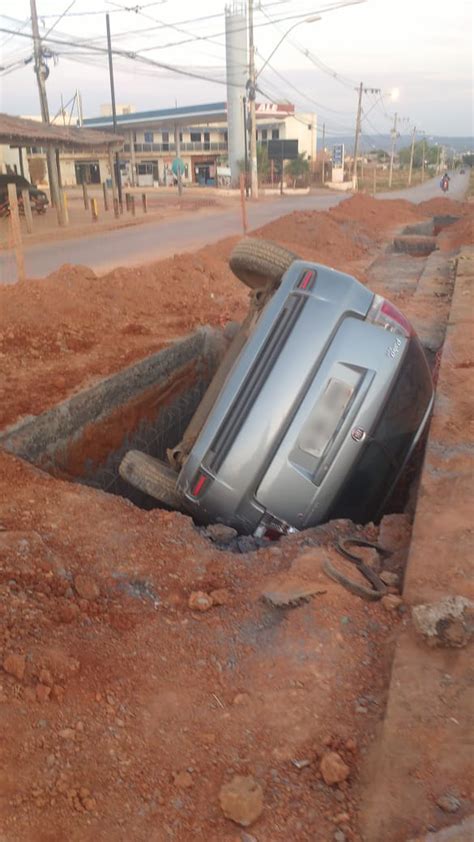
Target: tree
{"type": "Point", "coordinates": [298, 169]}
{"type": "Point", "coordinates": [431, 154]}
{"type": "Point", "coordinates": [263, 164]}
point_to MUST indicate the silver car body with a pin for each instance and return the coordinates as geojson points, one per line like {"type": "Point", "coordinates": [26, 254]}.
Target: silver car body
{"type": "Point", "coordinates": [300, 406]}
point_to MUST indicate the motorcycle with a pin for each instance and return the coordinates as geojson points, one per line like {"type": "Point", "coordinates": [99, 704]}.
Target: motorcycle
{"type": "Point", "coordinates": [444, 184]}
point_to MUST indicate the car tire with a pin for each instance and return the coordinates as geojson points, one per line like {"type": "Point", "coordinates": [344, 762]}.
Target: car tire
{"type": "Point", "coordinates": [151, 476]}
{"type": "Point", "coordinates": [259, 263]}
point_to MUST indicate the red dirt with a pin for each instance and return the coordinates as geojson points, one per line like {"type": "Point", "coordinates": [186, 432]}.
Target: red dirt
{"type": "Point", "coordinates": [58, 334]}
{"type": "Point", "coordinates": [123, 711]}
{"type": "Point", "coordinates": [133, 710]}
{"type": "Point", "coordinates": [377, 216]}
{"type": "Point", "coordinates": [458, 234]}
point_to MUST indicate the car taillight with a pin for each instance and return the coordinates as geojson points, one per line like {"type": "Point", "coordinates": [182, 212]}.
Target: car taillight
{"type": "Point", "coordinates": [384, 314]}
{"type": "Point", "coordinates": [199, 485]}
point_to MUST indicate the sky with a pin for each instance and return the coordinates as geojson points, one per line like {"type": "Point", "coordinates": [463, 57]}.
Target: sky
{"type": "Point", "coordinates": [417, 52]}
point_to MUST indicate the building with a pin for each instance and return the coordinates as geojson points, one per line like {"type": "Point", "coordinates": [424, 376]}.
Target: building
{"type": "Point", "coordinates": [197, 134]}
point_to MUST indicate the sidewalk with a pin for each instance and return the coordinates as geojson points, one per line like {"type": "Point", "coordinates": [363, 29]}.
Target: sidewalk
{"type": "Point", "coordinates": [425, 749]}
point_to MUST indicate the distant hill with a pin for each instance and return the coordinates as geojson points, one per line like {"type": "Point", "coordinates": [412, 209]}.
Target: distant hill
{"type": "Point", "coordinates": [369, 142]}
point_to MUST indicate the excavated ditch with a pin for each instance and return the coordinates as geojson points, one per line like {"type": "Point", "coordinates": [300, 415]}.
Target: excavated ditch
{"type": "Point", "coordinates": [146, 406]}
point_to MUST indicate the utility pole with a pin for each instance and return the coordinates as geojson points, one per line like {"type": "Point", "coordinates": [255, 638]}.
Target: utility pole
{"type": "Point", "coordinates": [423, 153]}
{"type": "Point", "coordinates": [79, 106]}
{"type": "Point", "coordinates": [252, 92]}
{"type": "Point", "coordinates": [114, 113]}
{"type": "Point", "coordinates": [246, 147]}
{"type": "Point", "coordinates": [324, 154]}
{"type": "Point", "coordinates": [412, 152]}
{"type": "Point", "coordinates": [357, 133]}
{"type": "Point", "coordinates": [41, 71]}
{"type": "Point", "coordinates": [392, 150]}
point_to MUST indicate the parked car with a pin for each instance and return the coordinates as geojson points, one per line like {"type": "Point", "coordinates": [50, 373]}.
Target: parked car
{"type": "Point", "coordinates": [38, 198]}
{"type": "Point", "coordinates": [314, 412]}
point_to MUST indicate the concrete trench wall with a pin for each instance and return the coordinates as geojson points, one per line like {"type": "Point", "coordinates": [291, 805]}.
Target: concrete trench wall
{"type": "Point", "coordinates": [146, 406]}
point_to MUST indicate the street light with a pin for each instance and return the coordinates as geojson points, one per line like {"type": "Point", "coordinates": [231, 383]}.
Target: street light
{"type": "Point", "coordinates": [311, 19]}
{"type": "Point", "coordinates": [252, 90]}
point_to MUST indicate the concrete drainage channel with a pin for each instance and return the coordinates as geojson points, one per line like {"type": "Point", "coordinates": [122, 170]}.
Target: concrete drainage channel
{"type": "Point", "coordinates": [420, 240]}
{"type": "Point", "coordinates": [146, 406]}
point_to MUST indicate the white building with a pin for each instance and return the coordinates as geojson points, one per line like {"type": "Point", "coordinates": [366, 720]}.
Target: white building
{"type": "Point", "coordinates": [197, 134]}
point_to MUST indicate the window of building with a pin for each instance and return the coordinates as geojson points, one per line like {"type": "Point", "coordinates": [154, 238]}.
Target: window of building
{"type": "Point", "coordinates": [195, 137]}
{"type": "Point", "coordinates": [148, 136]}
{"type": "Point", "coordinates": [264, 134]}
{"type": "Point", "coordinates": [275, 134]}
{"type": "Point", "coordinates": [165, 136]}
{"type": "Point", "coordinates": [181, 137]}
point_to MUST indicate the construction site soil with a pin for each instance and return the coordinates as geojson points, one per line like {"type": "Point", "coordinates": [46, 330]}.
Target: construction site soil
{"type": "Point", "coordinates": [125, 707]}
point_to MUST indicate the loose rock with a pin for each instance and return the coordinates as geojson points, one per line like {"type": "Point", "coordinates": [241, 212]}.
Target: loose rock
{"type": "Point", "coordinates": [333, 768]}
{"type": "Point", "coordinates": [15, 665]}
{"type": "Point", "coordinates": [183, 780]}
{"type": "Point", "coordinates": [394, 532]}
{"type": "Point", "coordinates": [390, 579]}
{"type": "Point", "coordinates": [43, 692]}
{"type": "Point", "coordinates": [449, 803]}
{"type": "Point", "coordinates": [200, 601]}
{"type": "Point", "coordinates": [391, 602]}
{"type": "Point", "coordinates": [220, 533]}
{"type": "Point", "coordinates": [241, 800]}
{"type": "Point", "coordinates": [449, 622]}
{"type": "Point", "coordinates": [221, 596]}
{"type": "Point", "coordinates": [86, 587]}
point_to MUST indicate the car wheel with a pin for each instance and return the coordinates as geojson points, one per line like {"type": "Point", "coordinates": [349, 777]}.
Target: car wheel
{"type": "Point", "coordinates": [258, 263]}
{"type": "Point", "coordinates": [151, 476]}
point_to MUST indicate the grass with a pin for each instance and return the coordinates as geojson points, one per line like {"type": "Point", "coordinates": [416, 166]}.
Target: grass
{"type": "Point", "coordinates": [399, 180]}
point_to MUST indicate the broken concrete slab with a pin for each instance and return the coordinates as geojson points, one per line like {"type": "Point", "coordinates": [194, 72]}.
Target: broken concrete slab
{"type": "Point", "coordinates": [463, 832]}
{"type": "Point", "coordinates": [449, 622]}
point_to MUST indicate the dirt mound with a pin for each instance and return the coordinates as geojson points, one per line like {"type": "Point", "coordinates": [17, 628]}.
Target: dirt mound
{"type": "Point", "coordinates": [442, 205]}
{"type": "Point", "coordinates": [375, 215]}
{"type": "Point", "coordinates": [72, 326]}
{"type": "Point", "coordinates": [328, 240]}
{"type": "Point", "coordinates": [124, 711]}
{"type": "Point", "coordinates": [461, 233]}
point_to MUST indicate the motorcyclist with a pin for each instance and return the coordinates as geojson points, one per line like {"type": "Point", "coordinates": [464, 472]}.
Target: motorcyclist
{"type": "Point", "coordinates": [445, 182]}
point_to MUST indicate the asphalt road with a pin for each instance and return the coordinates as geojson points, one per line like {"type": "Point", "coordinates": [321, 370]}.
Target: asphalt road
{"type": "Point", "coordinates": [431, 189]}
{"type": "Point", "coordinates": [154, 240]}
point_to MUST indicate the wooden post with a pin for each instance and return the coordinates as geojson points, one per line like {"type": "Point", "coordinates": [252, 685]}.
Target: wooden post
{"type": "Point", "coordinates": [16, 231]}
{"type": "Point", "coordinates": [375, 179]}
{"type": "Point", "coordinates": [106, 198]}
{"type": "Point", "coordinates": [127, 201]}
{"type": "Point", "coordinates": [144, 203]}
{"type": "Point", "coordinates": [95, 215]}
{"type": "Point", "coordinates": [131, 202]}
{"type": "Point", "coordinates": [85, 195]}
{"type": "Point", "coordinates": [64, 207]}
{"type": "Point", "coordinates": [114, 183]}
{"type": "Point", "coordinates": [242, 202]}
{"type": "Point", "coordinates": [116, 208]}
{"type": "Point", "coordinates": [132, 159]}
{"type": "Point", "coordinates": [25, 195]}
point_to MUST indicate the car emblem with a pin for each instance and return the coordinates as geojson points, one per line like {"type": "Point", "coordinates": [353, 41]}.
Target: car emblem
{"type": "Point", "coordinates": [358, 434]}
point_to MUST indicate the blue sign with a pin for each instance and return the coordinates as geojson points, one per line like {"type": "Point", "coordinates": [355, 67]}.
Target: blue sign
{"type": "Point", "coordinates": [338, 155]}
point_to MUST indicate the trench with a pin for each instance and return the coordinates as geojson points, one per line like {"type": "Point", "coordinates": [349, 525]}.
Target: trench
{"type": "Point", "coordinates": [149, 405]}
{"type": "Point", "coordinates": [146, 406]}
